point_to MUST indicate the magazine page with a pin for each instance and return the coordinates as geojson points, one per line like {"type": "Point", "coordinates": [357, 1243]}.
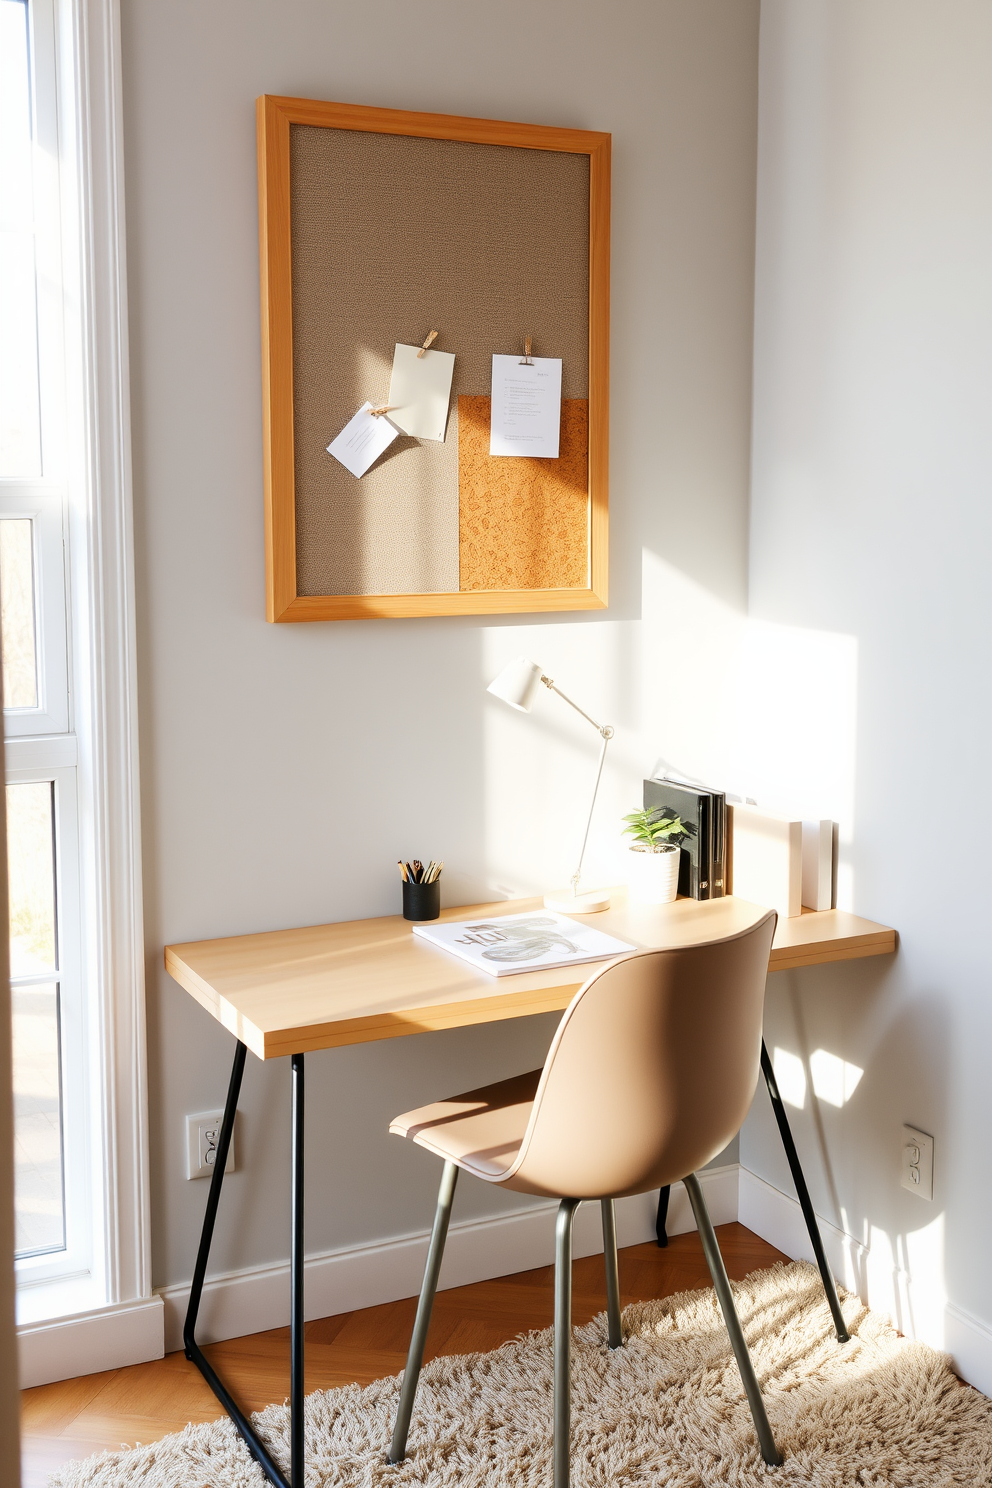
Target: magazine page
{"type": "Point", "coordinates": [534, 941]}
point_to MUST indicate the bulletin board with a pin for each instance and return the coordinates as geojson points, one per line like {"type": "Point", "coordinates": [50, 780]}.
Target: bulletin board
{"type": "Point", "coordinates": [376, 227]}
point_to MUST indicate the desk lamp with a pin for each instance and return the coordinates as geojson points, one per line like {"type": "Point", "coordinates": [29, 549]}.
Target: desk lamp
{"type": "Point", "coordinates": [517, 685]}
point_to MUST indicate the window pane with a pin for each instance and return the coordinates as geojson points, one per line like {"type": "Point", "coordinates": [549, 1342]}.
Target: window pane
{"type": "Point", "coordinates": [20, 441]}
{"type": "Point", "coordinates": [20, 661]}
{"type": "Point", "coordinates": [39, 1203]}
{"type": "Point", "coordinates": [31, 866]}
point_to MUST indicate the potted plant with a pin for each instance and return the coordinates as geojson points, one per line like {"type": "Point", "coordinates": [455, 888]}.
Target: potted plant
{"type": "Point", "coordinates": [653, 867]}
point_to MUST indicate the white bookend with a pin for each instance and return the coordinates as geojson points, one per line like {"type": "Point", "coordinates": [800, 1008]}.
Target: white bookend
{"type": "Point", "coordinates": [818, 864]}
{"type": "Point", "coordinates": [767, 858]}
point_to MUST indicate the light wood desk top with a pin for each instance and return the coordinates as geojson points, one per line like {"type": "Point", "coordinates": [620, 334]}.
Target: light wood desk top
{"type": "Point", "coordinates": [291, 991]}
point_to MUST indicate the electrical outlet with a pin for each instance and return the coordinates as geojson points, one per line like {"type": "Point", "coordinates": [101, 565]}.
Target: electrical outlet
{"type": "Point", "coordinates": [917, 1162]}
{"type": "Point", "coordinates": [202, 1134]}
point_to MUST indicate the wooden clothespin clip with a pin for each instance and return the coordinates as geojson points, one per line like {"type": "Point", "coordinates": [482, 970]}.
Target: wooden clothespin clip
{"type": "Point", "coordinates": [386, 408]}
{"type": "Point", "coordinates": [527, 360]}
{"type": "Point", "coordinates": [432, 337]}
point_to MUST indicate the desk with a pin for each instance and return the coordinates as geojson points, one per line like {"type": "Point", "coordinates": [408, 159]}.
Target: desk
{"type": "Point", "coordinates": [289, 992]}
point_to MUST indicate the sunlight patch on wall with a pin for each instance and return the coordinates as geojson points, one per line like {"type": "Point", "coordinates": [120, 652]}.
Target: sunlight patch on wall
{"type": "Point", "coordinates": [762, 710]}
{"type": "Point", "coordinates": [834, 1080]}
{"type": "Point", "coordinates": [924, 1264]}
{"type": "Point", "coordinates": [905, 1278]}
{"type": "Point", "coordinates": [796, 713]}
{"type": "Point", "coordinates": [790, 1077]}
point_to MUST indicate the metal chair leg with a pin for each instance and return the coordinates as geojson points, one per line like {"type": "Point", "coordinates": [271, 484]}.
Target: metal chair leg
{"type": "Point", "coordinates": [802, 1193]}
{"type": "Point", "coordinates": [721, 1285]}
{"type": "Point", "coordinates": [614, 1327]}
{"type": "Point", "coordinates": [563, 1340]}
{"type": "Point", "coordinates": [418, 1340]}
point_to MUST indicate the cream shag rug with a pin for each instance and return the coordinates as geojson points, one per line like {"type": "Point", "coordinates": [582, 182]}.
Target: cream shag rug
{"type": "Point", "coordinates": [667, 1409]}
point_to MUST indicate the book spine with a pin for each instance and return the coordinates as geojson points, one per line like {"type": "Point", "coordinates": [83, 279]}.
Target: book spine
{"type": "Point", "coordinates": [704, 853]}
{"type": "Point", "coordinates": [688, 874]}
{"type": "Point", "coordinates": [718, 874]}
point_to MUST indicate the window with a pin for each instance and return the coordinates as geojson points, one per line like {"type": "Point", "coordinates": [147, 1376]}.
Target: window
{"type": "Point", "coordinates": [52, 1119]}
{"type": "Point", "coordinates": [70, 716]}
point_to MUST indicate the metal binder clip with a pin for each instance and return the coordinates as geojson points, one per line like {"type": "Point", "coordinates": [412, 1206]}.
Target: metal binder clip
{"type": "Point", "coordinates": [526, 360]}
{"type": "Point", "coordinates": [432, 337]}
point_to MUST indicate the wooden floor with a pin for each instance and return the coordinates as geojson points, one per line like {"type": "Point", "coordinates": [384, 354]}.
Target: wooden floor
{"type": "Point", "coordinates": [146, 1401]}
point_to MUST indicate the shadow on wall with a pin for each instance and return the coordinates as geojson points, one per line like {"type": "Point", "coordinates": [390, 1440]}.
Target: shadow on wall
{"type": "Point", "coordinates": [770, 711]}
{"type": "Point", "coordinates": [857, 1061]}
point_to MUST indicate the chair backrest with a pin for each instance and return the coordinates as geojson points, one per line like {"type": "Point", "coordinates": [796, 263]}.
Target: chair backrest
{"type": "Point", "coordinates": [651, 1071]}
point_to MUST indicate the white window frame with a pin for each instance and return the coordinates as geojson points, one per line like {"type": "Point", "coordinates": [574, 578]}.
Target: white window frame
{"type": "Point", "coordinates": [75, 1261]}
{"type": "Point", "coordinates": [96, 480]}
{"type": "Point", "coordinates": [44, 504]}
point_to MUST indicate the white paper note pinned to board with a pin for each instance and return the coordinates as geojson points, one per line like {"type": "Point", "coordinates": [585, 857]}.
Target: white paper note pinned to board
{"type": "Point", "coordinates": [419, 391]}
{"type": "Point", "coordinates": [526, 407]}
{"type": "Point", "coordinates": [362, 440]}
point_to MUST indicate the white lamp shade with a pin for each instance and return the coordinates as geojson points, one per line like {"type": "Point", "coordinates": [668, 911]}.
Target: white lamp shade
{"type": "Point", "coordinates": [517, 683]}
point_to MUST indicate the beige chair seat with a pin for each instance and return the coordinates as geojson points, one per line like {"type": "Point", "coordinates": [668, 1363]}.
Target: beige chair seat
{"type": "Point", "coordinates": [482, 1131]}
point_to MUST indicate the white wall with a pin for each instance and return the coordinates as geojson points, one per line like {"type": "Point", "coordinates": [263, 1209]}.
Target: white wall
{"type": "Point", "coordinates": [871, 523]}
{"type": "Point", "coordinates": [280, 767]}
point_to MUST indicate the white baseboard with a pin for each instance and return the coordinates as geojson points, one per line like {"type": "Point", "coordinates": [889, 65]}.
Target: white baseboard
{"type": "Point", "coordinates": [777, 1218]}
{"type": "Point", "coordinates": [969, 1342]}
{"type": "Point", "coordinates": [104, 1338]}
{"type": "Point", "coordinates": [255, 1299]}
{"type": "Point", "coordinates": [250, 1301]}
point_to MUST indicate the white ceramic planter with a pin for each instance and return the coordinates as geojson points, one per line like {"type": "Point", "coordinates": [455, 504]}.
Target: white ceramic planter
{"type": "Point", "coordinates": [653, 875]}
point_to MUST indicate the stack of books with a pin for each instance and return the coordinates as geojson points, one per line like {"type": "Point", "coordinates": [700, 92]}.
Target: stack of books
{"type": "Point", "coordinates": [703, 813]}
{"type": "Point", "coordinates": [764, 857]}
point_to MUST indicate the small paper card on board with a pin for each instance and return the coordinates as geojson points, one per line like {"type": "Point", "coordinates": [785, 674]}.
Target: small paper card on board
{"type": "Point", "coordinates": [362, 440]}
{"type": "Point", "coordinates": [526, 409]}
{"type": "Point", "coordinates": [419, 390]}
{"type": "Point", "coordinates": [534, 941]}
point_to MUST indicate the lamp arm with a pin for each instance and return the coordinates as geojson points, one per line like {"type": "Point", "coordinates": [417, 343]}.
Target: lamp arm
{"type": "Point", "coordinates": [607, 734]}
{"type": "Point", "coordinates": [599, 727]}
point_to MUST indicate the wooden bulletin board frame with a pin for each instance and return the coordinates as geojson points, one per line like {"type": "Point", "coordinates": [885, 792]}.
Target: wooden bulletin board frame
{"type": "Point", "coordinates": [275, 116]}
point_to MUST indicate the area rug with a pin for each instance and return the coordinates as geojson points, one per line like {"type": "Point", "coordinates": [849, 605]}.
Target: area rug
{"type": "Point", "coordinates": [666, 1409]}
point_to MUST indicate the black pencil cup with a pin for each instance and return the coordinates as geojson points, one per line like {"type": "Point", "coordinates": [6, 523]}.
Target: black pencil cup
{"type": "Point", "coordinates": [421, 901]}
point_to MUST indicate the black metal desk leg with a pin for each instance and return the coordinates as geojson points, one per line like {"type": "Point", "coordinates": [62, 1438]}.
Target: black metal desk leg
{"type": "Point", "coordinates": [296, 1438]}
{"type": "Point", "coordinates": [798, 1178]}
{"type": "Point", "coordinates": [661, 1223]}
{"type": "Point", "coordinates": [193, 1351]}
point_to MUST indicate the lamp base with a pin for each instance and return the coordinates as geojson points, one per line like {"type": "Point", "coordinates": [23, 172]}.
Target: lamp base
{"type": "Point", "coordinates": [565, 902]}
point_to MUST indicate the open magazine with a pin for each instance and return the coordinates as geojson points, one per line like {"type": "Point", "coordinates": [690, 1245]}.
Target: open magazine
{"type": "Point", "coordinates": [533, 941]}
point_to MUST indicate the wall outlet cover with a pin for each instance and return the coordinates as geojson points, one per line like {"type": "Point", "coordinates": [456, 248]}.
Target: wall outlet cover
{"type": "Point", "coordinates": [202, 1133]}
{"type": "Point", "coordinates": [917, 1162]}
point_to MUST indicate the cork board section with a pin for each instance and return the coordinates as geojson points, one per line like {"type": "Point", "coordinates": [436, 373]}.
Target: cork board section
{"type": "Point", "coordinates": [522, 523]}
{"type": "Point", "coordinates": [376, 227]}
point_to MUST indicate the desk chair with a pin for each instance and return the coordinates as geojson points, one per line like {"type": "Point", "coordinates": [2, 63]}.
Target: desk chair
{"type": "Point", "coordinates": [649, 1076]}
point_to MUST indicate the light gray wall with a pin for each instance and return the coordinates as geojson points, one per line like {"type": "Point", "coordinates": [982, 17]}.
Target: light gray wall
{"type": "Point", "coordinates": [285, 768]}
{"type": "Point", "coordinates": [870, 531]}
